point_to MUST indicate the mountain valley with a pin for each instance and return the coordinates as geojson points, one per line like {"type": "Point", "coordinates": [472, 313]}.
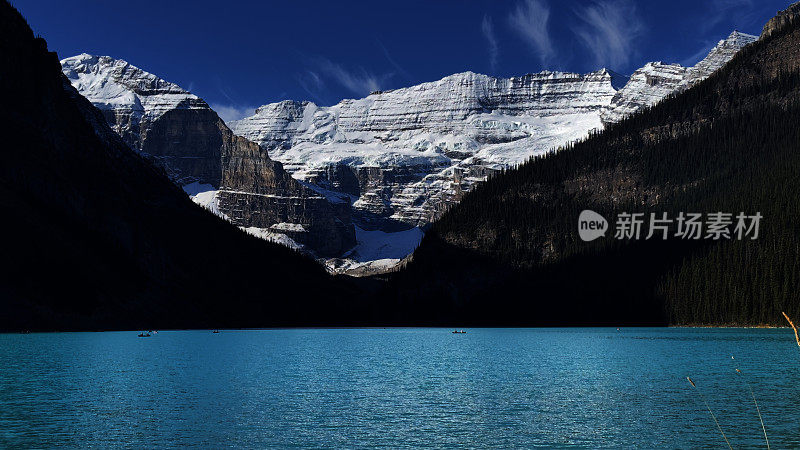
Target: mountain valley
{"type": "Point", "coordinates": [392, 162]}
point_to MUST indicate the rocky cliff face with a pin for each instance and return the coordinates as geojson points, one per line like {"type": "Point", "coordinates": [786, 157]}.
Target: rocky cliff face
{"type": "Point", "coordinates": [257, 192]}
{"type": "Point", "coordinates": [408, 154]}
{"type": "Point", "coordinates": [781, 19]}
{"type": "Point", "coordinates": [180, 132]}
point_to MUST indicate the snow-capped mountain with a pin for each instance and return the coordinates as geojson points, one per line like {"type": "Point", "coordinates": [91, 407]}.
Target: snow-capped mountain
{"type": "Point", "coordinates": [226, 173]}
{"type": "Point", "coordinates": [657, 80]}
{"type": "Point", "coordinates": [141, 108]}
{"type": "Point", "coordinates": [723, 52]}
{"type": "Point", "coordinates": [138, 97]}
{"type": "Point", "coordinates": [406, 154]}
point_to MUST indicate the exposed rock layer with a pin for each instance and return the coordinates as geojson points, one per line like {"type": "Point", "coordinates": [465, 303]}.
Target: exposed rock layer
{"type": "Point", "coordinates": [256, 192]}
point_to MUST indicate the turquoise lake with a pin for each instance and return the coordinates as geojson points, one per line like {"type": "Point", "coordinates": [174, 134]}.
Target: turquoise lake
{"type": "Point", "coordinates": [349, 388]}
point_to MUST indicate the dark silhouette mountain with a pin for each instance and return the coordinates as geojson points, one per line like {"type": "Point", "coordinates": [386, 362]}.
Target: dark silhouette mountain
{"type": "Point", "coordinates": [97, 237]}
{"type": "Point", "coordinates": [510, 252]}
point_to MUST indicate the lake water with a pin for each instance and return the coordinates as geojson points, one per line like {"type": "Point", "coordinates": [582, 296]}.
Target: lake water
{"type": "Point", "coordinates": [399, 388]}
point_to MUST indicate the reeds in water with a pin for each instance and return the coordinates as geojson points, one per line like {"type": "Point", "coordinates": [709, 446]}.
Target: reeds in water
{"type": "Point", "coordinates": [758, 409]}
{"type": "Point", "coordinates": [796, 336]}
{"type": "Point", "coordinates": [752, 394]}
{"type": "Point", "coordinates": [710, 412]}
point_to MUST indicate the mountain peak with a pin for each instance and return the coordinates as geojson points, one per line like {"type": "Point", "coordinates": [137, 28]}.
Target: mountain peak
{"type": "Point", "coordinates": [656, 80]}
{"type": "Point", "coordinates": [284, 106]}
{"type": "Point", "coordinates": [720, 55]}
{"type": "Point", "coordinates": [618, 80]}
{"type": "Point", "coordinates": [93, 68]}
{"type": "Point", "coordinates": [739, 39]}
{"type": "Point", "coordinates": [128, 96]}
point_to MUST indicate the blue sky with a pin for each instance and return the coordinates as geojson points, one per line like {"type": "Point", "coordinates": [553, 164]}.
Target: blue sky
{"type": "Point", "coordinates": [238, 55]}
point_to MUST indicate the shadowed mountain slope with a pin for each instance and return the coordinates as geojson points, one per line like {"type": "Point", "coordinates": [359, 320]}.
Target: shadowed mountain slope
{"type": "Point", "coordinates": [95, 236]}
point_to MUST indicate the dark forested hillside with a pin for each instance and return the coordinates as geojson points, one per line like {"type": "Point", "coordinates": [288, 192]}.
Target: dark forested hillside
{"type": "Point", "coordinates": [510, 253]}
{"type": "Point", "coordinates": [96, 237]}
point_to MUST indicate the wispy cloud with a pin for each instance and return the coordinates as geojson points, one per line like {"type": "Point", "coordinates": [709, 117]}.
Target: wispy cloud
{"type": "Point", "coordinates": [232, 109]}
{"type": "Point", "coordinates": [609, 30]}
{"type": "Point", "coordinates": [701, 53]}
{"type": "Point", "coordinates": [313, 84]}
{"type": "Point", "coordinates": [741, 12]}
{"type": "Point", "coordinates": [487, 28]}
{"type": "Point", "coordinates": [358, 80]}
{"type": "Point", "coordinates": [229, 113]}
{"type": "Point", "coordinates": [735, 13]}
{"type": "Point", "coordinates": [401, 70]}
{"type": "Point", "coordinates": [530, 19]}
